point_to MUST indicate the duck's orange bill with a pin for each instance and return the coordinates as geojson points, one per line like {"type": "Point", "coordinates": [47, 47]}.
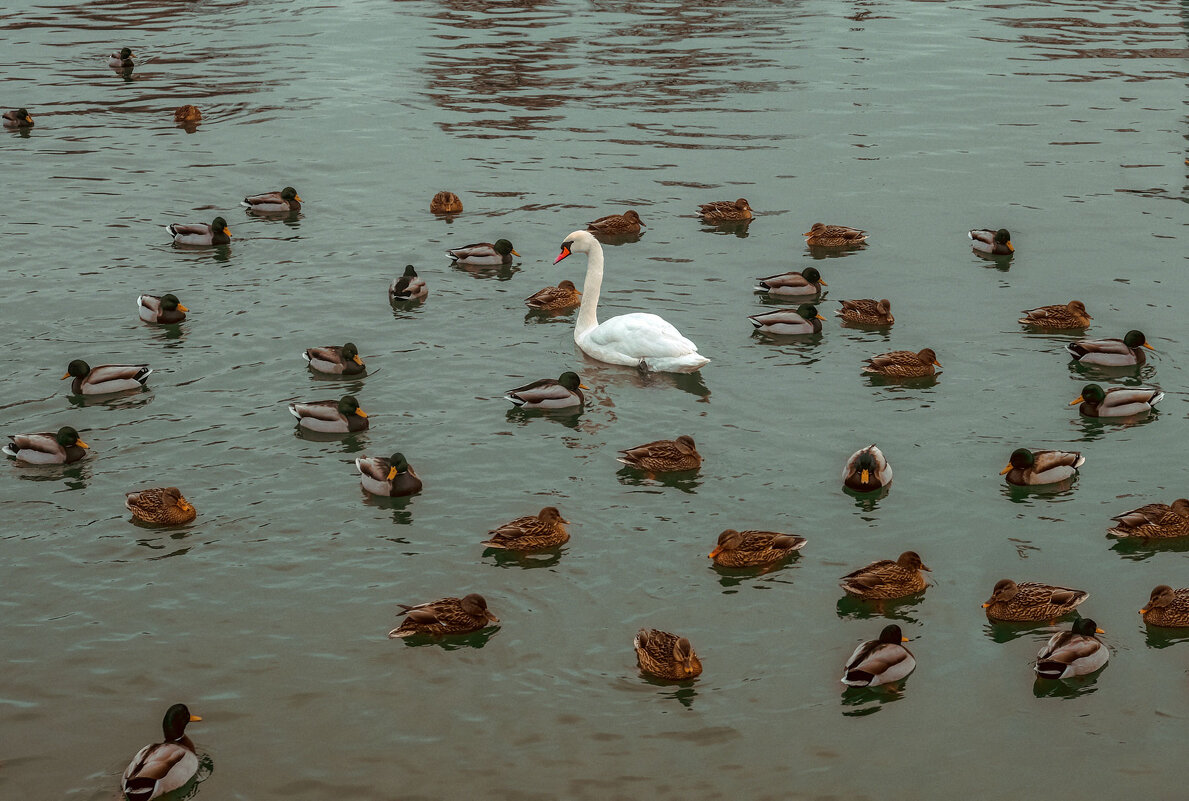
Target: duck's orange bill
{"type": "Point", "coordinates": [227, 231]}
{"type": "Point", "coordinates": [865, 476]}
{"type": "Point", "coordinates": [1009, 247]}
{"type": "Point", "coordinates": [392, 473]}
{"type": "Point", "coordinates": [1149, 347]}
{"type": "Point", "coordinates": [81, 444]}
{"type": "Point", "coordinates": [985, 606]}
{"type": "Point", "coordinates": [194, 718]}
{"type": "Point", "coordinates": [937, 362]}
{"type": "Point", "coordinates": [903, 639]}
{"type": "Point", "coordinates": [818, 317]}
{"type": "Point", "coordinates": [182, 308]}
{"type": "Point", "coordinates": [565, 251]}
{"type": "Point", "coordinates": [1099, 631]}
{"type": "Point", "coordinates": [1143, 611]}
{"type": "Point", "coordinates": [583, 386]}
{"type": "Point", "coordinates": [1005, 470]}
{"type": "Point", "coordinates": [823, 283]}
{"type": "Point", "coordinates": [357, 360]}
{"type": "Point", "coordinates": [361, 412]}
{"type": "Point", "coordinates": [1076, 401]}
{"type": "Point", "coordinates": [298, 198]}
{"type": "Point", "coordinates": [65, 376]}
{"type": "Point", "coordinates": [715, 552]}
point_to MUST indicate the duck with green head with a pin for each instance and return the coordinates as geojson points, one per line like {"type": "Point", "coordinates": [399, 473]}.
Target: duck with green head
{"type": "Point", "coordinates": [122, 60]}
{"type": "Point", "coordinates": [1028, 468]}
{"type": "Point", "coordinates": [273, 202]}
{"type": "Point", "coordinates": [407, 287]}
{"type": "Point", "coordinates": [200, 234]}
{"type": "Point", "coordinates": [166, 309]}
{"type": "Point", "coordinates": [789, 322]}
{"type": "Point", "coordinates": [335, 359]}
{"type": "Point", "coordinates": [867, 470]}
{"type": "Point", "coordinates": [19, 118]}
{"type": "Point", "coordinates": [804, 282]}
{"type": "Point", "coordinates": [1123, 352]}
{"type": "Point", "coordinates": [163, 767]}
{"type": "Point", "coordinates": [105, 378]}
{"type": "Point", "coordinates": [483, 253]}
{"type": "Point", "coordinates": [1076, 652]}
{"type": "Point", "coordinates": [48, 447]}
{"type": "Point", "coordinates": [1116, 401]}
{"type": "Point", "coordinates": [392, 477]}
{"type": "Point", "coordinates": [880, 661]}
{"type": "Point", "coordinates": [563, 392]}
{"type": "Point", "coordinates": [331, 417]}
{"type": "Point", "coordinates": [997, 243]}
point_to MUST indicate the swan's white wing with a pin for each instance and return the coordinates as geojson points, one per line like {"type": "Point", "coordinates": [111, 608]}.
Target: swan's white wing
{"type": "Point", "coordinates": [641, 335]}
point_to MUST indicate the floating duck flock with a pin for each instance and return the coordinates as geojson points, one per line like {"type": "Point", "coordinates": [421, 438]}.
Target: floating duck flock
{"type": "Point", "coordinates": [649, 343]}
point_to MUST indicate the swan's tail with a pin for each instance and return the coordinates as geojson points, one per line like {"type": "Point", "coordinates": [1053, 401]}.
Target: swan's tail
{"type": "Point", "coordinates": [686, 363]}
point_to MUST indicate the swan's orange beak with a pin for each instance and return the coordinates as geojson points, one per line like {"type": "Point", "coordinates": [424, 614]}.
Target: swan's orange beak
{"type": "Point", "coordinates": [565, 251]}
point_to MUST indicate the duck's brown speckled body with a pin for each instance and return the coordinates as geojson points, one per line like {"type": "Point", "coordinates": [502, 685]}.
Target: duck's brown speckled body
{"type": "Point", "coordinates": [444, 616]}
{"type": "Point", "coordinates": [666, 655]}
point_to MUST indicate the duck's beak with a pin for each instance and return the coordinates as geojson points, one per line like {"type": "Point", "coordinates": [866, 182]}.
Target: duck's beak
{"type": "Point", "coordinates": [81, 444]}
{"type": "Point", "coordinates": [357, 360]}
{"type": "Point", "coordinates": [65, 376]}
{"type": "Point", "coordinates": [716, 551]}
{"type": "Point", "coordinates": [937, 362]}
{"type": "Point", "coordinates": [1009, 246]}
{"type": "Point", "coordinates": [988, 603]}
{"type": "Point", "coordinates": [807, 233]}
{"type": "Point", "coordinates": [391, 473]}
{"type": "Point", "coordinates": [1099, 631]}
{"type": "Point", "coordinates": [926, 567]}
{"type": "Point", "coordinates": [1149, 347]}
{"type": "Point", "coordinates": [182, 308]}
{"type": "Point", "coordinates": [1143, 611]}
{"type": "Point", "coordinates": [823, 283]}
{"type": "Point", "coordinates": [298, 198]}
{"type": "Point", "coordinates": [565, 251]}
{"type": "Point", "coordinates": [903, 638]}
{"type": "Point", "coordinates": [583, 386]}
{"type": "Point", "coordinates": [865, 476]}
{"type": "Point", "coordinates": [818, 317]}
{"type": "Point", "coordinates": [1005, 470]}
{"type": "Point", "coordinates": [194, 718]}
{"type": "Point", "coordinates": [361, 412]}
{"type": "Point", "coordinates": [514, 253]}
{"type": "Point", "coordinates": [1076, 400]}
{"type": "Point", "coordinates": [490, 616]}
{"type": "Point", "coordinates": [227, 231]}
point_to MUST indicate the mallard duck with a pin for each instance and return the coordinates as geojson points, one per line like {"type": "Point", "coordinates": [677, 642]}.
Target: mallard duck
{"type": "Point", "coordinates": [880, 661]}
{"type": "Point", "coordinates": [563, 296]}
{"type": "Point", "coordinates": [867, 470]}
{"type": "Point", "coordinates": [200, 234]}
{"type": "Point", "coordinates": [164, 505]}
{"type": "Point", "coordinates": [187, 114]}
{"type": "Point", "coordinates": [821, 235]}
{"type": "Point", "coordinates": [866, 311]}
{"type": "Point", "coordinates": [122, 60]}
{"type": "Point", "coordinates": [1167, 607]}
{"type": "Point", "coordinates": [484, 253]}
{"type": "Point", "coordinates": [1031, 468]}
{"type": "Point", "coordinates": [163, 767]}
{"type": "Point", "coordinates": [616, 224]}
{"type": "Point", "coordinates": [530, 533]}
{"type": "Point", "coordinates": [754, 548]}
{"type": "Point", "coordinates": [1154, 521]}
{"type": "Point", "coordinates": [548, 393]}
{"type": "Point", "coordinates": [903, 364]}
{"type": "Point", "coordinates": [887, 579]}
{"type": "Point", "coordinates": [446, 203]}
{"type": "Point", "coordinates": [335, 359]}
{"type": "Point", "coordinates": [666, 655]}
{"type": "Point", "coordinates": [285, 200]}
{"type": "Point", "coordinates": [1071, 315]}
{"type": "Point", "coordinates": [392, 477]}
{"type": "Point", "coordinates": [1072, 653]}
{"type": "Point", "coordinates": [1111, 352]}
{"type": "Point", "coordinates": [331, 417]}
{"type": "Point", "coordinates": [165, 309]}
{"type": "Point", "coordinates": [444, 616]}
{"type": "Point", "coordinates": [1031, 601]}
{"type": "Point", "coordinates": [17, 119]}
{"type": "Point", "coordinates": [998, 243]}
{"type": "Point", "coordinates": [1117, 401]}
{"type": "Point", "coordinates": [806, 282]}
{"type": "Point", "coordinates": [105, 378]}
{"type": "Point", "coordinates": [47, 447]}
{"type": "Point", "coordinates": [789, 322]}
{"type": "Point", "coordinates": [663, 456]}
{"type": "Point", "coordinates": [409, 286]}
{"type": "Point", "coordinates": [725, 211]}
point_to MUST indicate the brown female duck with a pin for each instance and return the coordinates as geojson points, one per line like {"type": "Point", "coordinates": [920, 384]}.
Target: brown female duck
{"type": "Point", "coordinates": [444, 616]}
{"type": "Point", "coordinates": [553, 298]}
{"type": "Point", "coordinates": [1069, 315]}
{"type": "Point", "coordinates": [663, 456]}
{"type": "Point", "coordinates": [754, 548]}
{"type": "Point", "coordinates": [616, 224]}
{"type": "Point", "coordinates": [1167, 607]}
{"type": "Point", "coordinates": [445, 203]}
{"type": "Point", "coordinates": [725, 211]}
{"type": "Point", "coordinates": [164, 505]}
{"type": "Point", "coordinates": [821, 235]}
{"type": "Point", "coordinates": [533, 532]}
{"type": "Point", "coordinates": [866, 311]}
{"type": "Point", "coordinates": [666, 655]}
{"type": "Point", "coordinates": [903, 364]}
{"type": "Point", "coordinates": [1031, 601]}
{"type": "Point", "coordinates": [887, 579]}
{"type": "Point", "coordinates": [1154, 521]}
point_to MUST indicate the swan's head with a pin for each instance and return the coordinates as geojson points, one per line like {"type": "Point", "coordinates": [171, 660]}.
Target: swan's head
{"type": "Point", "coordinates": [577, 242]}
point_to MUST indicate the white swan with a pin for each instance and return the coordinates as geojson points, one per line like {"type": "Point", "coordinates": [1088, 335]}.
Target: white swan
{"type": "Point", "coordinates": [639, 340]}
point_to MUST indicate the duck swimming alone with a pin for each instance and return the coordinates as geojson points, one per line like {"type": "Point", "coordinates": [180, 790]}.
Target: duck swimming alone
{"type": "Point", "coordinates": [163, 767]}
{"type": "Point", "coordinates": [407, 287]}
{"type": "Point", "coordinates": [903, 364]}
{"type": "Point", "coordinates": [445, 203]}
{"type": "Point", "coordinates": [1069, 315]}
{"type": "Point", "coordinates": [444, 616]}
{"type": "Point", "coordinates": [553, 298]}
{"type": "Point", "coordinates": [105, 378]}
{"type": "Point", "coordinates": [163, 505]}
{"type": "Point", "coordinates": [821, 235]}
{"type": "Point", "coordinates": [725, 211]}
{"type": "Point", "coordinates": [666, 656]}
{"type": "Point", "coordinates": [997, 243]}
{"type": "Point", "coordinates": [19, 118]}
{"type": "Point", "coordinates": [867, 470]}
{"type": "Point", "coordinates": [881, 661]}
{"type": "Point", "coordinates": [122, 60]}
{"type": "Point", "coordinates": [166, 309]}
{"type": "Point", "coordinates": [546, 529]}
{"type": "Point", "coordinates": [62, 447]}
{"type": "Point", "coordinates": [200, 234]}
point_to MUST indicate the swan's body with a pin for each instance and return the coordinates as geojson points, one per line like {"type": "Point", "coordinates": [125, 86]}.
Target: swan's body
{"type": "Point", "coordinates": [640, 340]}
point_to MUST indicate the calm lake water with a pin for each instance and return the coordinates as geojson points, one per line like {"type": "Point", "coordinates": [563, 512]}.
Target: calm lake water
{"type": "Point", "coordinates": [1064, 122]}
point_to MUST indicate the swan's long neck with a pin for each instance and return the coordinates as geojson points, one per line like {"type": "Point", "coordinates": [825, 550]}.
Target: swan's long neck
{"type": "Point", "coordinates": [588, 316]}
